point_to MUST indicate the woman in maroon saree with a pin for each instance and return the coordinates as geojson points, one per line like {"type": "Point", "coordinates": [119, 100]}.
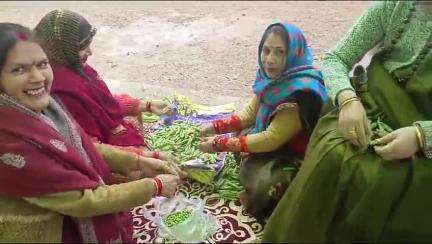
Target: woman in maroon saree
{"type": "Point", "coordinates": [54, 186]}
{"type": "Point", "coordinates": [66, 37]}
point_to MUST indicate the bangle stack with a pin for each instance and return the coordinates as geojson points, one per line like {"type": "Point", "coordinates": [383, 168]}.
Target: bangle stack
{"type": "Point", "coordinates": [158, 186]}
{"type": "Point", "coordinates": [219, 143]}
{"type": "Point", "coordinates": [219, 126]}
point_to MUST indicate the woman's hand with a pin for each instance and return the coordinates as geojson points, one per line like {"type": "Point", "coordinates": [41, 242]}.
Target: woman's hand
{"type": "Point", "coordinates": [152, 167]}
{"type": "Point", "coordinates": [170, 184]}
{"type": "Point", "coordinates": [206, 145]}
{"type": "Point", "coordinates": [160, 107]}
{"type": "Point", "coordinates": [399, 144]}
{"type": "Point", "coordinates": [207, 129]}
{"type": "Point", "coordinates": [166, 156]}
{"type": "Point", "coordinates": [353, 122]}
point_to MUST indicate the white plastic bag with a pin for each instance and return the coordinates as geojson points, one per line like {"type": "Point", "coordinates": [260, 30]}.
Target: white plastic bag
{"type": "Point", "coordinates": [198, 227]}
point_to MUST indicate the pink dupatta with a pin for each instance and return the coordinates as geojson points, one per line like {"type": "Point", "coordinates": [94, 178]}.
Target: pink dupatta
{"type": "Point", "coordinates": [93, 106]}
{"type": "Point", "coordinates": [36, 160]}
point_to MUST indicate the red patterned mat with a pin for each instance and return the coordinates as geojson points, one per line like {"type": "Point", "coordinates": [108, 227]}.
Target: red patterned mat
{"type": "Point", "coordinates": [236, 224]}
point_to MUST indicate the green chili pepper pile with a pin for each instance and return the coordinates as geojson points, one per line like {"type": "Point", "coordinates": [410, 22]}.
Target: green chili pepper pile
{"type": "Point", "coordinates": [178, 217]}
{"type": "Point", "coordinates": [181, 139]}
{"type": "Point", "coordinates": [228, 184]}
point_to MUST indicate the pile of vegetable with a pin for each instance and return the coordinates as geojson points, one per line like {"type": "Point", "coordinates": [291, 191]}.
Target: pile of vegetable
{"type": "Point", "coordinates": [228, 184]}
{"type": "Point", "coordinates": [176, 218]}
{"type": "Point", "coordinates": [181, 139]}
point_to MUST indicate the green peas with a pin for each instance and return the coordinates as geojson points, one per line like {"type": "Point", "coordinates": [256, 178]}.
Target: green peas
{"type": "Point", "coordinates": [178, 217]}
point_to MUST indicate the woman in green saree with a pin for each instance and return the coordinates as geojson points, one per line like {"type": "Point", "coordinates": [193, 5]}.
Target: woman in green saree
{"type": "Point", "coordinates": [367, 174]}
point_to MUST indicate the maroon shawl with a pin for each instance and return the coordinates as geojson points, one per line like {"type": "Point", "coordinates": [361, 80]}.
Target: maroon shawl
{"type": "Point", "coordinates": [36, 160]}
{"type": "Point", "coordinates": [93, 106]}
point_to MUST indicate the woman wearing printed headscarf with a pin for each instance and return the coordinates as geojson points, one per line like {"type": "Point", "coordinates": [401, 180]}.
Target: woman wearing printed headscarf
{"type": "Point", "coordinates": [367, 174]}
{"type": "Point", "coordinates": [66, 37]}
{"type": "Point", "coordinates": [54, 186]}
{"type": "Point", "coordinates": [288, 96]}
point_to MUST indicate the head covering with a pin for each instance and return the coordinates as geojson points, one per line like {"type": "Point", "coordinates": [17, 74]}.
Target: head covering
{"type": "Point", "coordinates": [298, 76]}
{"type": "Point", "coordinates": [79, 86]}
{"type": "Point", "coordinates": [37, 160]}
{"type": "Point", "coordinates": [59, 35]}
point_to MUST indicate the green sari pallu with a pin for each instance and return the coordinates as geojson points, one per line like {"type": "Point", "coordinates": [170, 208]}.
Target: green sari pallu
{"type": "Point", "coordinates": [342, 194]}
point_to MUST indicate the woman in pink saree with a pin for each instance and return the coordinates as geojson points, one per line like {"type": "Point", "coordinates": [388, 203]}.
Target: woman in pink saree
{"type": "Point", "coordinates": [66, 37]}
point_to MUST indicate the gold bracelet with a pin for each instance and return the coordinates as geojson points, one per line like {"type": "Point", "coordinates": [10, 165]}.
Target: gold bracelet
{"type": "Point", "coordinates": [420, 137]}
{"type": "Point", "coordinates": [348, 101]}
{"type": "Point", "coordinates": [137, 164]}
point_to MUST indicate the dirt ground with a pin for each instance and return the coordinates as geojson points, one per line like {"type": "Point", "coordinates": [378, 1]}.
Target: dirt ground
{"type": "Point", "coordinates": [205, 50]}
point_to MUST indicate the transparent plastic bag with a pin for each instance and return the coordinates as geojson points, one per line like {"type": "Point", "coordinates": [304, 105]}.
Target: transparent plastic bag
{"type": "Point", "coordinates": [196, 227]}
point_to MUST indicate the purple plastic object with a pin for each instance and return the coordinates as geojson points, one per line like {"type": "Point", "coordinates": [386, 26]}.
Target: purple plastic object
{"type": "Point", "coordinates": [192, 118]}
{"type": "Point", "coordinates": [220, 162]}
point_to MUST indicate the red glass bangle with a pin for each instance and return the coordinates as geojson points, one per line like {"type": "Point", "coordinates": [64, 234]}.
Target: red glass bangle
{"type": "Point", "coordinates": [220, 143]}
{"type": "Point", "coordinates": [156, 155]}
{"type": "Point", "coordinates": [243, 143]}
{"type": "Point", "coordinates": [158, 185]}
{"type": "Point", "coordinates": [235, 122]}
{"type": "Point", "coordinates": [228, 124]}
{"type": "Point", "coordinates": [216, 126]}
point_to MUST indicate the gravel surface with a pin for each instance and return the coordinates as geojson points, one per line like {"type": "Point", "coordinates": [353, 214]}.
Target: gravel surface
{"type": "Point", "coordinates": [205, 50]}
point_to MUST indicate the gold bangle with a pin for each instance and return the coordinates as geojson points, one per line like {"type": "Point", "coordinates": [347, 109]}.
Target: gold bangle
{"type": "Point", "coordinates": [348, 101]}
{"type": "Point", "coordinates": [137, 159]}
{"type": "Point", "coordinates": [420, 137]}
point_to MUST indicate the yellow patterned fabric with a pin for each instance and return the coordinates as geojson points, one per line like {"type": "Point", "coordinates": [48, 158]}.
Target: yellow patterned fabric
{"type": "Point", "coordinates": [203, 109]}
{"type": "Point", "coordinates": [40, 219]}
{"type": "Point", "coordinates": [102, 200]}
{"type": "Point", "coordinates": [23, 222]}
